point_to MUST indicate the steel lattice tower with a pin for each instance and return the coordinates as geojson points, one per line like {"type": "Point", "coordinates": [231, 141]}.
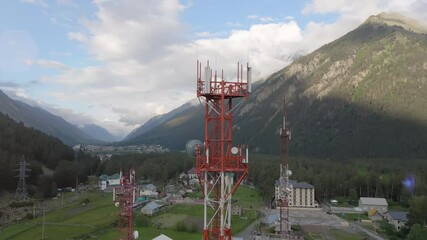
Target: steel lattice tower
{"type": "Point", "coordinates": [126, 193]}
{"type": "Point", "coordinates": [220, 167]}
{"type": "Point", "coordinates": [285, 173]}
{"type": "Point", "coordinates": [21, 193]}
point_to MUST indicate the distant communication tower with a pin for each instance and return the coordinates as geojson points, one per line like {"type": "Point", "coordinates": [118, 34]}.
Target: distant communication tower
{"type": "Point", "coordinates": [220, 167]}
{"type": "Point", "coordinates": [285, 173]}
{"type": "Point", "coordinates": [21, 193]}
{"type": "Point", "coordinates": [126, 199]}
{"type": "Point", "coordinates": [77, 150]}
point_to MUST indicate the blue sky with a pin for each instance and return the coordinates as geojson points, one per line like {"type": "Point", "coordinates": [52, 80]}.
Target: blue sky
{"type": "Point", "coordinates": [118, 63]}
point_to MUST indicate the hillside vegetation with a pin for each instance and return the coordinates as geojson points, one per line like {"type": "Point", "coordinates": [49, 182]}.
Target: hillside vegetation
{"type": "Point", "coordinates": [39, 149]}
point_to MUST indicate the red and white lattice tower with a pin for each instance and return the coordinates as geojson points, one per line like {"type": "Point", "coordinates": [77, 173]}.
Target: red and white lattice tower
{"type": "Point", "coordinates": [220, 167]}
{"type": "Point", "coordinates": [125, 201]}
{"type": "Point", "coordinates": [284, 186]}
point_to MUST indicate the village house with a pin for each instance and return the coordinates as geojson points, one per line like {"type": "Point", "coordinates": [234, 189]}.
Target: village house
{"type": "Point", "coordinates": [151, 208]}
{"type": "Point", "coordinates": [108, 182]}
{"type": "Point", "coordinates": [192, 173]}
{"type": "Point", "coordinates": [367, 203]}
{"type": "Point", "coordinates": [397, 219]}
{"type": "Point", "coordinates": [149, 190]}
{"type": "Point", "coordinates": [374, 215]}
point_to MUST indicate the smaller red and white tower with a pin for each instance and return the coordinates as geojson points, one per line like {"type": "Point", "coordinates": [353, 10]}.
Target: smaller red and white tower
{"type": "Point", "coordinates": [125, 195]}
{"type": "Point", "coordinates": [284, 186]}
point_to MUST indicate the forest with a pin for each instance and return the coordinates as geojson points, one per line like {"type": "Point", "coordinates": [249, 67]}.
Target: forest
{"type": "Point", "coordinates": [40, 151]}
{"type": "Point", "coordinates": [393, 179]}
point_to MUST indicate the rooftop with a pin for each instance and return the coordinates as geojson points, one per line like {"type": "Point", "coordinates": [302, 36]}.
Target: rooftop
{"type": "Point", "coordinates": [295, 184]}
{"type": "Point", "coordinates": [152, 205]}
{"type": "Point", "coordinates": [104, 177]}
{"type": "Point", "coordinates": [162, 237]}
{"type": "Point", "coordinates": [401, 216]}
{"type": "Point", "coordinates": [374, 201]}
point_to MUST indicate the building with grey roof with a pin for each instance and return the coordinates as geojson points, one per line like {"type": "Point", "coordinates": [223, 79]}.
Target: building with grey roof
{"type": "Point", "coordinates": [397, 219]}
{"type": "Point", "coordinates": [301, 194]}
{"type": "Point", "coordinates": [151, 208]}
{"type": "Point", "coordinates": [368, 203]}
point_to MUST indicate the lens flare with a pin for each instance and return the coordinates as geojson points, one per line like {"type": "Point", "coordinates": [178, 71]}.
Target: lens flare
{"type": "Point", "coordinates": [409, 183]}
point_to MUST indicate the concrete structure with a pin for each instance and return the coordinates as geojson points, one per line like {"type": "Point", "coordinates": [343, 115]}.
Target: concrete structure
{"type": "Point", "coordinates": [301, 194]}
{"type": "Point", "coordinates": [397, 219]}
{"type": "Point", "coordinates": [380, 204]}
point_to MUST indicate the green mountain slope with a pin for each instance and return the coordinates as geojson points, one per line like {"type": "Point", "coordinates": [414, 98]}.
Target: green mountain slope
{"type": "Point", "coordinates": [44, 121]}
{"type": "Point", "coordinates": [16, 141]}
{"type": "Point", "coordinates": [363, 95]}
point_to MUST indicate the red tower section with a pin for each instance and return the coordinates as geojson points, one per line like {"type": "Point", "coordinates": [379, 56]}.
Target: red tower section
{"type": "Point", "coordinates": [284, 186]}
{"type": "Point", "coordinates": [220, 167]}
{"type": "Point", "coordinates": [125, 194]}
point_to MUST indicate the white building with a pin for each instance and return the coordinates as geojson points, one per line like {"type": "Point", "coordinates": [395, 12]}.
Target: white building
{"type": "Point", "coordinates": [301, 194]}
{"type": "Point", "coordinates": [367, 203]}
{"type": "Point", "coordinates": [106, 181]}
{"type": "Point", "coordinates": [149, 190]}
{"type": "Point", "coordinates": [162, 237]}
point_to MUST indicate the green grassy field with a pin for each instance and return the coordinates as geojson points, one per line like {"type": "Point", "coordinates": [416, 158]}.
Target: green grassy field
{"type": "Point", "coordinates": [68, 222]}
{"type": "Point", "coordinates": [338, 234]}
{"type": "Point", "coordinates": [148, 233]}
{"type": "Point", "coordinates": [96, 220]}
{"type": "Point", "coordinates": [248, 197]}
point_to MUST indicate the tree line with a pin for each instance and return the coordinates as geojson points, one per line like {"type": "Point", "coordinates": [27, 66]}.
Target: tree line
{"type": "Point", "coordinates": [394, 179]}
{"type": "Point", "coordinates": [40, 151]}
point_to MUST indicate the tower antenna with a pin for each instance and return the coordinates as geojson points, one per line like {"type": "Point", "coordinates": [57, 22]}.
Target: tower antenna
{"type": "Point", "coordinates": [285, 173]}
{"type": "Point", "coordinates": [220, 166]}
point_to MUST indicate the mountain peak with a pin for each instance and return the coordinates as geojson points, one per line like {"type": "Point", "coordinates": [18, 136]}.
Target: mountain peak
{"type": "Point", "coordinates": [396, 19]}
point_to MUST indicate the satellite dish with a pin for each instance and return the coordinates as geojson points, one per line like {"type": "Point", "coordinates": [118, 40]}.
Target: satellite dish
{"type": "Point", "coordinates": [234, 150]}
{"type": "Point", "coordinates": [190, 147]}
{"type": "Point", "coordinates": [117, 204]}
{"type": "Point", "coordinates": [135, 235]}
{"type": "Point", "coordinates": [289, 173]}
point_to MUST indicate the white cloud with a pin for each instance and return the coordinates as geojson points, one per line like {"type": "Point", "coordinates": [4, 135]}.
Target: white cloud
{"type": "Point", "coordinates": [361, 9]}
{"type": "Point", "coordinates": [146, 66]}
{"type": "Point", "coordinates": [261, 18]}
{"type": "Point", "coordinates": [50, 64]}
{"type": "Point", "coordinates": [138, 30]}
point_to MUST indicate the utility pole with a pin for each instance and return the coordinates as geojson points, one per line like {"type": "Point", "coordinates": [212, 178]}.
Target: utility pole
{"type": "Point", "coordinates": [44, 212]}
{"type": "Point", "coordinates": [76, 155]}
